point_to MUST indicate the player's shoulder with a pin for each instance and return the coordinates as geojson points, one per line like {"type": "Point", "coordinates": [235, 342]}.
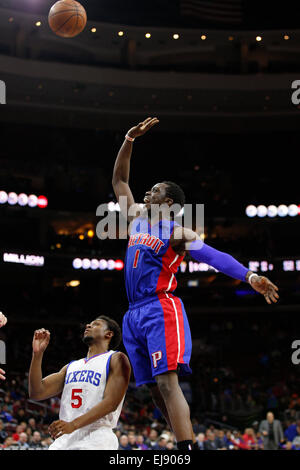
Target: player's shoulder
{"type": "Point", "coordinates": [75, 363]}
{"type": "Point", "coordinates": [119, 359]}
{"type": "Point", "coordinates": [184, 233]}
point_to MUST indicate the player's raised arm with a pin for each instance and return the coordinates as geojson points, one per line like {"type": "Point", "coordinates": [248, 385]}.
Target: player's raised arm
{"type": "Point", "coordinates": [115, 390]}
{"type": "Point", "coordinates": [187, 240]}
{"type": "Point", "coordinates": [120, 179]}
{"type": "Point", "coordinates": [39, 388]}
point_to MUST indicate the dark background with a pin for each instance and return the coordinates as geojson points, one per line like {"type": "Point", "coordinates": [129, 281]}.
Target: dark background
{"type": "Point", "coordinates": [223, 158]}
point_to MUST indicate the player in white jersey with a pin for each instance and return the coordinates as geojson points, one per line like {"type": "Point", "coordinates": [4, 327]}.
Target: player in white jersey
{"type": "Point", "coordinates": [93, 388]}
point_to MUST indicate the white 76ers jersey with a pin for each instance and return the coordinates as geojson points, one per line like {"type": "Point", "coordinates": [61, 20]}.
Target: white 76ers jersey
{"type": "Point", "coordinates": [84, 388]}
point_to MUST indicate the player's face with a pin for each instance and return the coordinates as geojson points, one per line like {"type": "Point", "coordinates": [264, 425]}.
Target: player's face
{"type": "Point", "coordinates": [156, 195]}
{"type": "Point", "coordinates": [96, 330]}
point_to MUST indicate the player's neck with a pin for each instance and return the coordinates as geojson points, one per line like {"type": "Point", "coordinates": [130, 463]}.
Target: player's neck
{"type": "Point", "coordinates": [155, 218]}
{"type": "Point", "coordinates": [96, 349]}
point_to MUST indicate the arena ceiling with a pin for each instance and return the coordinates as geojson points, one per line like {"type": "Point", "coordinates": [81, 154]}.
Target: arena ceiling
{"type": "Point", "coordinates": [238, 14]}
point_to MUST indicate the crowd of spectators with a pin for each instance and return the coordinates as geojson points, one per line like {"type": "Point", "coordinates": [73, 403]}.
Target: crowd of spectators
{"type": "Point", "coordinates": [24, 424]}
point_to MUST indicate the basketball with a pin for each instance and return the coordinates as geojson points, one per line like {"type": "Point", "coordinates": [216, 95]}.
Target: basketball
{"type": "Point", "coordinates": [67, 18]}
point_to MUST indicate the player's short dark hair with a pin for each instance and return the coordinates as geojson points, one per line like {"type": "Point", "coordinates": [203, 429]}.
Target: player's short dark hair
{"type": "Point", "coordinates": [175, 192]}
{"type": "Point", "coordinates": [115, 328]}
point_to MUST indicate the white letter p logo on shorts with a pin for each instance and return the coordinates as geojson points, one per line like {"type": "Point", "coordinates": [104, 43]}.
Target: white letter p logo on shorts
{"type": "Point", "coordinates": [156, 356]}
{"type": "Point", "coordinates": [2, 92]}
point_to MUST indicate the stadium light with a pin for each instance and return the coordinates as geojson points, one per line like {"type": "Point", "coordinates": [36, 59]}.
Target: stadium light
{"type": "Point", "coordinates": [12, 198]}
{"type": "Point", "coordinates": [3, 197]}
{"type": "Point", "coordinates": [251, 211]}
{"type": "Point", "coordinates": [102, 264]}
{"type": "Point", "coordinates": [272, 211]}
{"type": "Point", "coordinates": [262, 211]}
{"type": "Point", "coordinates": [283, 210]}
{"type": "Point", "coordinates": [293, 210]}
{"type": "Point", "coordinates": [90, 233]}
{"type": "Point", "coordinates": [23, 199]}
{"type": "Point", "coordinates": [73, 283]}
{"type": "Point", "coordinates": [42, 202]}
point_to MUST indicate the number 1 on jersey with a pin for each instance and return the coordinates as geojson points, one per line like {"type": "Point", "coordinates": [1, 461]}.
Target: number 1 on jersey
{"type": "Point", "coordinates": [136, 258]}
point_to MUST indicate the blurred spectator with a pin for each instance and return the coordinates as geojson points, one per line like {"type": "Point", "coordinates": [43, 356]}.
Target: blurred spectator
{"type": "Point", "coordinates": [272, 432]}
{"type": "Point", "coordinates": [5, 415]}
{"type": "Point", "coordinates": [220, 440]}
{"type": "Point", "coordinates": [249, 438]}
{"type": "Point", "coordinates": [151, 442]}
{"type": "Point", "coordinates": [292, 431]}
{"type": "Point", "coordinates": [170, 445]}
{"type": "Point", "coordinates": [36, 441]}
{"type": "Point", "coordinates": [161, 444]}
{"type": "Point", "coordinates": [3, 433]}
{"type": "Point", "coordinates": [124, 444]}
{"type": "Point", "coordinates": [200, 440]}
{"type": "Point", "coordinates": [140, 442]}
{"type": "Point", "coordinates": [8, 442]}
{"type": "Point", "coordinates": [211, 442]}
{"type": "Point", "coordinates": [132, 441]}
{"type": "Point", "coordinates": [296, 443]}
{"type": "Point", "coordinates": [22, 442]}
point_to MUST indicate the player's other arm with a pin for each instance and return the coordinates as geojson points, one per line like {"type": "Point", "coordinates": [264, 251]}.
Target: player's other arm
{"type": "Point", "coordinates": [115, 390]}
{"type": "Point", "coordinates": [187, 240]}
{"type": "Point", "coordinates": [120, 179]}
{"type": "Point", "coordinates": [40, 388]}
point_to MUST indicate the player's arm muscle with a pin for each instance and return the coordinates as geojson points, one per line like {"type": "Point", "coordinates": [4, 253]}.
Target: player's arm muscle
{"type": "Point", "coordinates": [115, 389]}
{"type": "Point", "coordinates": [181, 239]}
{"type": "Point", "coordinates": [120, 179]}
{"type": "Point", "coordinates": [42, 388]}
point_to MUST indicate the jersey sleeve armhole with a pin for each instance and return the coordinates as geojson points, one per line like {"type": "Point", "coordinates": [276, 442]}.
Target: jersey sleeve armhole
{"type": "Point", "coordinates": [170, 246]}
{"type": "Point", "coordinates": [68, 366]}
{"type": "Point", "coordinates": [108, 364]}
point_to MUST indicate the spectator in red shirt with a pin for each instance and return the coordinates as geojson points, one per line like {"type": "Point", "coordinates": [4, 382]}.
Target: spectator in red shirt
{"type": "Point", "coordinates": [249, 439]}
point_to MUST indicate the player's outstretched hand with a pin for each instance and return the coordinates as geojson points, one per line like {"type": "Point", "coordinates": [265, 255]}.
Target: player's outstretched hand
{"type": "Point", "coordinates": [2, 374]}
{"type": "Point", "coordinates": [142, 127]}
{"type": "Point", "coordinates": [3, 319]}
{"type": "Point", "coordinates": [40, 340]}
{"type": "Point", "coordinates": [264, 286]}
{"type": "Point", "coordinates": [59, 427]}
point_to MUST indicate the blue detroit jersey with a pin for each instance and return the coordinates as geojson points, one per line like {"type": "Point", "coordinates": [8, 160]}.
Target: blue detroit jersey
{"type": "Point", "coordinates": [150, 262]}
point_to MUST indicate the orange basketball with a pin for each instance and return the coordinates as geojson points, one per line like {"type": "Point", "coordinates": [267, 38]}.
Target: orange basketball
{"type": "Point", "coordinates": [67, 18]}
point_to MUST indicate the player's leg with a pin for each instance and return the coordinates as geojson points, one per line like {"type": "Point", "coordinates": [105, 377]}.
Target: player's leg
{"type": "Point", "coordinates": [177, 407]}
{"type": "Point", "coordinates": [136, 347]}
{"type": "Point", "coordinates": [169, 346]}
{"type": "Point", "coordinates": [159, 402]}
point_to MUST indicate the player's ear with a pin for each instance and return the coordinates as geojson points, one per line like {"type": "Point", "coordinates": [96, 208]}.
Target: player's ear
{"type": "Point", "coordinates": [109, 334]}
{"type": "Point", "coordinates": [169, 201]}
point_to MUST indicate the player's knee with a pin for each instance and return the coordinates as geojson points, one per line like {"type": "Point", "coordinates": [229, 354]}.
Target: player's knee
{"type": "Point", "coordinates": [165, 385]}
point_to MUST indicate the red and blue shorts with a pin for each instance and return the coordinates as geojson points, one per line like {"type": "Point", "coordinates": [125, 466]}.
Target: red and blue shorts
{"type": "Point", "coordinates": [157, 337]}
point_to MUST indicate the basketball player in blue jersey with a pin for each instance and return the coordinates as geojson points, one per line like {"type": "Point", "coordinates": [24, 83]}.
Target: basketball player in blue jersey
{"type": "Point", "coordinates": [93, 388]}
{"type": "Point", "coordinates": [3, 321]}
{"type": "Point", "coordinates": [156, 331]}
